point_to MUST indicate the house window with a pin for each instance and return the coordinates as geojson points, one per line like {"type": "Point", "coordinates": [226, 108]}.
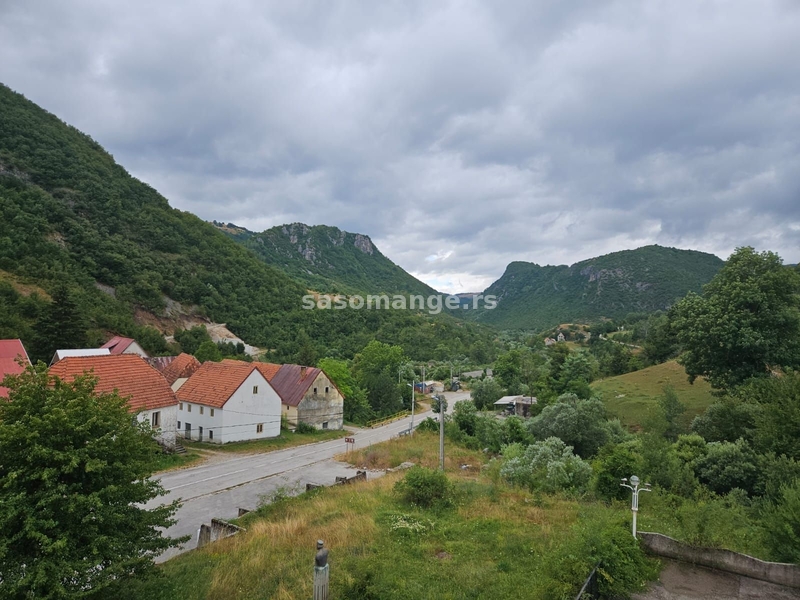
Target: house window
{"type": "Point", "coordinates": [212, 412]}
{"type": "Point", "coordinates": [180, 405]}
{"type": "Point", "coordinates": [327, 389]}
{"type": "Point", "coordinates": [255, 389]}
{"type": "Point", "coordinates": [179, 424]}
{"type": "Point", "coordinates": [260, 428]}
{"type": "Point", "coordinates": [201, 410]}
{"type": "Point", "coordinates": [315, 390]}
{"type": "Point", "coordinates": [325, 425]}
{"type": "Point", "coordinates": [156, 419]}
{"type": "Point", "coordinates": [188, 408]}
{"type": "Point", "coordinates": [211, 434]}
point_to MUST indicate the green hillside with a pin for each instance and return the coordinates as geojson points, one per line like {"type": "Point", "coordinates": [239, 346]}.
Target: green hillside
{"type": "Point", "coordinates": [633, 397]}
{"type": "Point", "coordinates": [69, 214]}
{"type": "Point", "coordinates": [642, 280]}
{"type": "Point", "coordinates": [328, 260]}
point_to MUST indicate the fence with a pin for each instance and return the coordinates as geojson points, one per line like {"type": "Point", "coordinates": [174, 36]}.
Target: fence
{"type": "Point", "coordinates": [590, 590]}
{"type": "Point", "coordinates": [386, 420]}
{"type": "Point", "coordinates": [359, 476]}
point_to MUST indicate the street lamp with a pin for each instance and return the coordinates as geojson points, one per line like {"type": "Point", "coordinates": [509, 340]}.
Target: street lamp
{"type": "Point", "coordinates": [634, 486]}
{"type": "Point", "coordinates": [413, 402]}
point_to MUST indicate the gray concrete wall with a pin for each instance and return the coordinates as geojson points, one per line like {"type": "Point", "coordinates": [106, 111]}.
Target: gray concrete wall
{"type": "Point", "coordinates": [724, 560]}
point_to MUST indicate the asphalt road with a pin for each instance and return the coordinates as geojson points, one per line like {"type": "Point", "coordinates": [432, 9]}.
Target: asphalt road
{"type": "Point", "coordinates": [219, 489]}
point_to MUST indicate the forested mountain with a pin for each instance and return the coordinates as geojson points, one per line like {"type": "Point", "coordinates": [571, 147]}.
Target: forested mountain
{"type": "Point", "coordinates": [328, 260]}
{"type": "Point", "coordinates": [642, 280]}
{"type": "Point", "coordinates": [73, 221]}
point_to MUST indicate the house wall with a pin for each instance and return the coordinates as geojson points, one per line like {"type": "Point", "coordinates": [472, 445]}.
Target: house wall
{"type": "Point", "coordinates": [320, 409]}
{"type": "Point", "coordinates": [135, 348]}
{"type": "Point", "coordinates": [169, 423]}
{"type": "Point", "coordinates": [290, 413]}
{"type": "Point", "coordinates": [239, 417]}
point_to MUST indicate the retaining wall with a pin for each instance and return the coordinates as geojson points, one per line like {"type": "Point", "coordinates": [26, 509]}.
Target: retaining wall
{"type": "Point", "coordinates": [724, 560]}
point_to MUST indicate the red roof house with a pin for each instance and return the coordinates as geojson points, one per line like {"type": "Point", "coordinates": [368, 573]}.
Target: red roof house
{"type": "Point", "coordinates": [11, 352]}
{"type": "Point", "coordinates": [182, 367]}
{"type": "Point", "coordinates": [307, 395]}
{"type": "Point", "coordinates": [123, 345]}
{"type": "Point", "coordinates": [148, 393]}
{"type": "Point", "coordinates": [228, 401]}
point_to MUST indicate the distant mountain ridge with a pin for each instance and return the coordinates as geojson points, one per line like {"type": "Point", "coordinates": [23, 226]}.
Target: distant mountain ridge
{"type": "Point", "coordinates": [643, 280]}
{"type": "Point", "coordinates": [327, 259]}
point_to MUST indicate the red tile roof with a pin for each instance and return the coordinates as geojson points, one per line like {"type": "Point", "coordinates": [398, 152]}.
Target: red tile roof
{"type": "Point", "coordinates": [214, 383]}
{"type": "Point", "coordinates": [184, 365]}
{"type": "Point", "coordinates": [118, 344]}
{"type": "Point", "coordinates": [292, 381]}
{"type": "Point", "coordinates": [268, 370]}
{"type": "Point", "coordinates": [128, 374]}
{"type": "Point", "coordinates": [10, 351]}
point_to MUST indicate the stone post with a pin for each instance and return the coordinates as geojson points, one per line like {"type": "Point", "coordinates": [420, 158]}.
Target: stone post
{"type": "Point", "coordinates": [321, 572]}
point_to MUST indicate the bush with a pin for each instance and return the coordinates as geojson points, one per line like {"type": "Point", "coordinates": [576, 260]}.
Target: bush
{"type": "Point", "coordinates": [580, 423]}
{"type": "Point", "coordinates": [728, 465]}
{"type": "Point", "coordinates": [782, 525]}
{"type": "Point", "coordinates": [304, 428]}
{"type": "Point", "coordinates": [613, 463]}
{"type": "Point", "coordinates": [425, 487]}
{"type": "Point", "coordinates": [429, 424]}
{"type": "Point", "coordinates": [547, 466]}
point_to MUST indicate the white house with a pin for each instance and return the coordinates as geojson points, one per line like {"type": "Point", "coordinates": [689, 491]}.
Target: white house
{"type": "Point", "coordinates": [229, 401]}
{"type": "Point", "coordinates": [148, 393]}
{"type": "Point", "coordinates": [77, 352]}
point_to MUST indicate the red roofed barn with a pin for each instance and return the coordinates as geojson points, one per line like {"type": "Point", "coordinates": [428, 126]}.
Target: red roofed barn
{"type": "Point", "coordinates": [11, 351]}
{"type": "Point", "coordinates": [307, 395]}
{"type": "Point", "coordinates": [228, 401]}
{"type": "Point", "coordinates": [123, 345]}
{"type": "Point", "coordinates": [149, 395]}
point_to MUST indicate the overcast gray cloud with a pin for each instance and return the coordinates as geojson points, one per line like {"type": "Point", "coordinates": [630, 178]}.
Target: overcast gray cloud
{"type": "Point", "coordinates": [459, 135]}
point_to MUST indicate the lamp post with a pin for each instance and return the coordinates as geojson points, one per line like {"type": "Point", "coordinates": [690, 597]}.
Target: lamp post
{"type": "Point", "coordinates": [413, 402]}
{"type": "Point", "coordinates": [634, 487]}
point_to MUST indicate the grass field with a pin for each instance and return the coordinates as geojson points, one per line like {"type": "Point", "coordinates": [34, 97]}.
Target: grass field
{"type": "Point", "coordinates": [286, 439]}
{"type": "Point", "coordinates": [632, 397]}
{"type": "Point", "coordinates": [492, 542]}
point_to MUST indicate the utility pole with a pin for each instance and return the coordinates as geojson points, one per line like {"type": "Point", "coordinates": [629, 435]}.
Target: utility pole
{"type": "Point", "coordinates": [413, 402]}
{"type": "Point", "coordinates": [441, 432]}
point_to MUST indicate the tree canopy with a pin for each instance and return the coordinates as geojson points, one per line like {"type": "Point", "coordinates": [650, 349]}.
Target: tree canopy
{"type": "Point", "coordinates": [745, 324]}
{"type": "Point", "coordinates": [74, 475]}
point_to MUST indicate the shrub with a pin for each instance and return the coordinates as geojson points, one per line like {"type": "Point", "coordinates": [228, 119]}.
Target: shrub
{"type": "Point", "coordinates": [429, 424]}
{"type": "Point", "coordinates": [728, 465]}
{"type": "Point", "coordinates": [613, 463]}
{"type": "Point", "coordinates": [304, 428]}
{"type": "Point", "coordinates": [782, 525]}
{"type": "Point", "coordinates": [546, 466]}
{"type": "Point", "coordinates": [465, 416]}
{"type": "Point", "coordinates": [425, 487]}
{"type": "Point", "coordinates": [579, 423]}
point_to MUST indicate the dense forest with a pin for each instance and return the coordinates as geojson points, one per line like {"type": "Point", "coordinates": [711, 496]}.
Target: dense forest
{"type": "Point", "coordinates": [328, 260]}
{"type": "Point", "coordinates": [642, 280]}
{"type": "Point", "coordinates": [72, 218]}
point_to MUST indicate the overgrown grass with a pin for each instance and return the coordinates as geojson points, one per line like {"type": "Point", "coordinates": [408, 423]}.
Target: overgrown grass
{"type": "Point", "coordinates": [492, 541]}
{"type": "Point", "coordinates": [168, 462]}
{"type": "Point", "coordinates": [422, 448]}
{"type": "Point", "coordinates": [286, 439]}
{"type": "Point", "coordinates": [633, 397]}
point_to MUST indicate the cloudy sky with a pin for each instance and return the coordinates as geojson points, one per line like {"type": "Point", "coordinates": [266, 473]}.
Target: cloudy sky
{"type": "Point", "coordinates": [459, 135]}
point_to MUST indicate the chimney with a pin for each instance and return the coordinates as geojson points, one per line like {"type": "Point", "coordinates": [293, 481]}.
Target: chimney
{"type": "Point", "coordinates": [303, 372]}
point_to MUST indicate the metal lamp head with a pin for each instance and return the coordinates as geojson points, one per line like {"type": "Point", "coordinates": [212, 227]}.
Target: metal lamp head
{"type": "Point", "coordinates": [634, 480]}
